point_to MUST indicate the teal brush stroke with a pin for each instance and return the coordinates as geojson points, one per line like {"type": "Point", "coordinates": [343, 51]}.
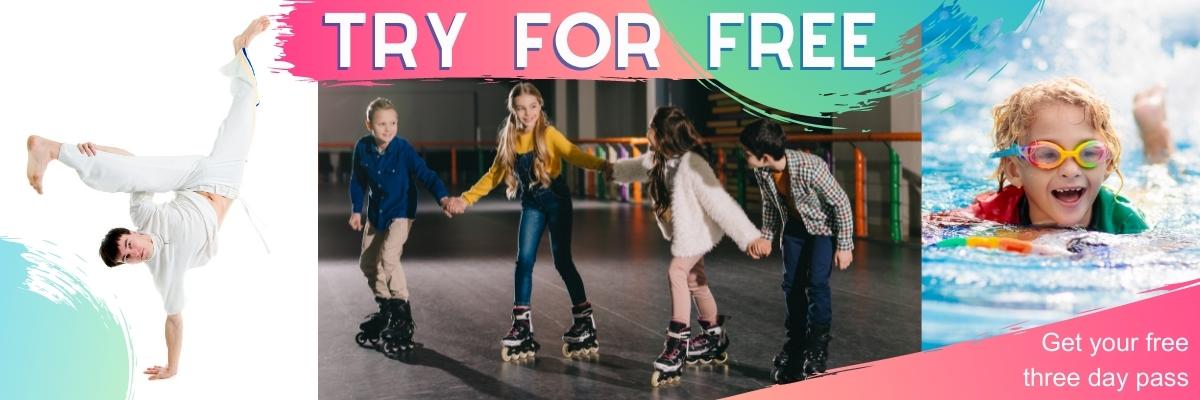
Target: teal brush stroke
{"type": "Point", "coordinates": [913, 42]}
{"type": "Point", "coordinates": [61, 339]}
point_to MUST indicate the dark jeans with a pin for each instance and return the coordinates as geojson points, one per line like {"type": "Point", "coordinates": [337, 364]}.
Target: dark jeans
{"type": "Point", "coordinates": [807, 262]}
{"type": "Point", "coordinates": [543, 208]}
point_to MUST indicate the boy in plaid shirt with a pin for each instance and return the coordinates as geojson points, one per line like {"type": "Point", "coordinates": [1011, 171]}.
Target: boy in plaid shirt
{"type": "Point", "coordinates": [804, 209]}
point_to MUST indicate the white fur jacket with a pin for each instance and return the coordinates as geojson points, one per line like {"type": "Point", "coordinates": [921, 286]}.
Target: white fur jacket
{"type": "Point", "coordinates": [701, 211]}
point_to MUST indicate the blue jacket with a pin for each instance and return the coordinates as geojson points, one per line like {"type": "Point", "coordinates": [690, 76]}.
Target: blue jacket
{"type": "Point", "coordinates": [386, 180]}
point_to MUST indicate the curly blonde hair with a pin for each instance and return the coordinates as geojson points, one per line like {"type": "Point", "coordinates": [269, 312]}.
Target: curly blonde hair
{"type": "Point", "coordinates": [1014, 116]}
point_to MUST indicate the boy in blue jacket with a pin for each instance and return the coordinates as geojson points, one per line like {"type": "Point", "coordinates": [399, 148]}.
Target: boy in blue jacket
{"type": "Point", "coordinates": [384, 166]}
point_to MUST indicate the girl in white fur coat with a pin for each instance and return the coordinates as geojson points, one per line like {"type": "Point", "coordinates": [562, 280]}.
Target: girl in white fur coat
{"type": "Point", "coordinates": [694, 212]}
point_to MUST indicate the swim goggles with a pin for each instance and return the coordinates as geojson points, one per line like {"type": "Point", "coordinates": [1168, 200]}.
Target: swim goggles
{"type": "Point", "coordinates": [1049, 155]}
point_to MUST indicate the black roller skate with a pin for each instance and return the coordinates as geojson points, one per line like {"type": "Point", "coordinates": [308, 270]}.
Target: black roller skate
{"type": "Point", "coordinates": [580, 340]}
{"type": "Point", "coordinates": [397, 337]}
{"type": "Point", "coordinates": [519, 343]}
{"type": "Point", "coordinates": [669, 365]}
{"type": "Point", "coordinates": [818, 350]}
{"type": "Point", "coordinates": [788, 365]}
{"type": "Point", "coordinates": [709, 347]}
{"type": "Point", "coordinates": [370, 329]}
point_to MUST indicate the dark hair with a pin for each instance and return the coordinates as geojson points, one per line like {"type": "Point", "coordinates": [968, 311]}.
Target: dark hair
{"type": "Point", "coordinates": [674, 136]}
{"type": "Point", "coordinates": [764, 137]}
{"type": "Point", "coordinates": [109, 246]}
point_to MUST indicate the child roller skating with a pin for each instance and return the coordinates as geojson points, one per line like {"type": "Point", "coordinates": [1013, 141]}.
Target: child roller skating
{"type": "Point", "coordinates": [519, 343]}
{"type": "Point", "coordinates": [694, 213]}
{"type": "Point", "coordinates": [580, 340]}
{"type": "Point", "coordinates": [668, 367]}
{"type": "Point", "coordinates": [529, 160]}
{"type": "Point", "coordinates": [386, 170]}
{"type": "Point", "coordinates": [808, 215]}
{"type": "Point", "coordinates": [709, 347]}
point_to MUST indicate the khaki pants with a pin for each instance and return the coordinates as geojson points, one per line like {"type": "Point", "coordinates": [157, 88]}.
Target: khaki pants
{"type": "Point", "coordinates": [380, 259]}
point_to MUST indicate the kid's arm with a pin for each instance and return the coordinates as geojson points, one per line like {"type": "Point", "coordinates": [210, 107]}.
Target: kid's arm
{"type": "Point", "coordinates": [570, 152]}
{"type": "Point", "coordinates": [832, 195]}
{"type": "Point", "coordinates": [719, 205]}
{"type": "Point", "coordinates": [770, 213]}
{"type": "Point", "coordinates": [356, 185]}
{"type": "Point", "coordinates": [427, 177]}
{"type": "Point", "coordinates": [633, 169]}
{"type": "Point", "coordinates": [486, 183]}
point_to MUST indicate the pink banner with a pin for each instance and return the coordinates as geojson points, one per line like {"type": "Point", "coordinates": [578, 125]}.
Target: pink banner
{"type": "Point", "coordinates": [1140, 350]}
{"type": "Point", "coordinates": [374, 40]}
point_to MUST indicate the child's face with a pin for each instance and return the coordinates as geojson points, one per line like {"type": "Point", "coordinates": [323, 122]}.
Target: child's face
{"type": "Point", "coordinates": [1061, 196]}
{"type": "Point", "coordinates": [760, 162]}
{"type": "Point", "coordinates": [528, 109]}
{"type": "Point", "coordinates": [383, 125]}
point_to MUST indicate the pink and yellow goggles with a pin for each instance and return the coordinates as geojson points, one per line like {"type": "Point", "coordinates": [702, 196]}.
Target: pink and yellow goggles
{"type": "Point", "coordinates": [1049, 155]}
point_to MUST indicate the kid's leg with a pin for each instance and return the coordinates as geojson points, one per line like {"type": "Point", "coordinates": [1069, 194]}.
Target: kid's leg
{"type": "Point", "coordinates": [533, 224]}
{"type": "Point", "coordinates": [1150, 112]}
{"type": "Point", "coordinates": [392, 249]}
{"type": "Point", "coordinates": [560, 221]}
{"type": "Point", "coordinates": [677, 275]}
{"type": "Point", "coordinates": [819, 299]}
{"type": "Point", "coordinates": [369, 261]}
{"type": "Point", "coordinates": [698, 286]}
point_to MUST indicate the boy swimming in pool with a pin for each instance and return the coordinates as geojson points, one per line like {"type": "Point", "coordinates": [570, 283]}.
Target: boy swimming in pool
{"type": "Point", "coordinates": [1057, 145]}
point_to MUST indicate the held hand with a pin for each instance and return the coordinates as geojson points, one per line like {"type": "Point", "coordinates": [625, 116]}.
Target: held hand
{"type": "Point", "coordinates": [356, 221]}
{"type": "Point", "coordinates": [158, 372]}
{"type": "Point", "coordinates": [759, 248]}
{"type": "Point", "coordinates": [445, 202]}
{"type": "Point", "coordinates": [87, 148]}
{"type": "Point", "coordinates": [842, 259]}
{"type": "Point", "coordinates": [456, 205]}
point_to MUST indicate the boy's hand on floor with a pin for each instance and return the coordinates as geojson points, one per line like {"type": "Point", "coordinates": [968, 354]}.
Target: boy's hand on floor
{"type": "Point", "coordinates": [356, 221]}
{"type": "Point", "coordinates": [842, 259]}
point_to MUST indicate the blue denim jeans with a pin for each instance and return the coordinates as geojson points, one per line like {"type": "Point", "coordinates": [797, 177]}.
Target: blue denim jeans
{"type": "Point", "coordinates": [807, 263]}
{"type": "Point", "coordinates": [543, 208]}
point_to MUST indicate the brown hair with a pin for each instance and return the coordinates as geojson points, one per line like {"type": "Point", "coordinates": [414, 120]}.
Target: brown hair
{"type": "Point", "coordinates": [1015, 115]}
{"type": "Point", "coordinates": [674, 136]}
{"type": "Point", "coordinates": [506, 149]}
{"type": "Point", "coordinates": [379, 103]}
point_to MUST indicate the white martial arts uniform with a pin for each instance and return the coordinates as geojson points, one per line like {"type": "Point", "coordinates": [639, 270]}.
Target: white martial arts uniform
{"type": "Point", "coordinates": [184, 229]}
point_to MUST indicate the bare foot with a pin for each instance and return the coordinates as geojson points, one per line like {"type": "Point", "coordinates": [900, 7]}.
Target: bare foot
{"type": "Point", "coordinates": [257, 26]}
{"type": "Point", "coordinates": [1150, 112]}
{"type": "Point", "coordinates": [41, 152]}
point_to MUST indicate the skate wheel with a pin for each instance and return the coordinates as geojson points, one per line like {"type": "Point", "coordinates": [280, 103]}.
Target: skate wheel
{"type": "Point", "coordinates": [566, 352]}
{"type": "Point", "coordinates": [361, 339]}
{"type": "Point", "coordinates": [692, 361]}
{"type": "Point", "coordinates": [504, 354]}
{"type": "Point", "coordinates": [654, 379]}
{"type": "Point", "coordinates": [722, 359]}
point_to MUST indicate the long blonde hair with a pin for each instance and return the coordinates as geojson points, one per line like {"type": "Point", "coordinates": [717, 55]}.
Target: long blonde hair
{"type": "Point", "coordinates": [506, 149]}
{"type": "Point", "coordinates": [1015, 115]}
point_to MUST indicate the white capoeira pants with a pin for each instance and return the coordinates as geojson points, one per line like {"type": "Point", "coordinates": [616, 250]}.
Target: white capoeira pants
{"type": "Point", "coordinates": [219, 173]}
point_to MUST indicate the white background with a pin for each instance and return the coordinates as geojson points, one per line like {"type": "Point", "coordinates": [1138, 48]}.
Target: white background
{"type": "Point", "coordinates": [143, 76]}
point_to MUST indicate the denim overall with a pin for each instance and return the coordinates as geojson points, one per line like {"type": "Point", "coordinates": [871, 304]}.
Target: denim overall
{"type": "Point", "coordinates": [543, 207]}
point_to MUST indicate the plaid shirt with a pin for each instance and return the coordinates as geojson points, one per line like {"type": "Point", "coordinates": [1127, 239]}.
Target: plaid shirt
{"type": "Point", "coordinates": [819, 200]}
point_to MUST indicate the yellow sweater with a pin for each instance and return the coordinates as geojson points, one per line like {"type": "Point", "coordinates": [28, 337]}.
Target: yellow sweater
{"type": "Point", "coordinates": [560, 148]}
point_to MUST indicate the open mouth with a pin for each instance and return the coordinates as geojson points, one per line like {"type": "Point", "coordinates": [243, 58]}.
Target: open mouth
{"type": "Point", "coordinates": [1069, 195]}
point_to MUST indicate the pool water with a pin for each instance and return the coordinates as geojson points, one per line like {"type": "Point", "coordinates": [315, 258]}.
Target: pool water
{"type": "Point", "coordinates": [1119, 50]}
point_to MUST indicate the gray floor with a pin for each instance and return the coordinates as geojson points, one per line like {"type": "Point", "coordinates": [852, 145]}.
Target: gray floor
{"type": "Point", "coordinates": [460, 277]}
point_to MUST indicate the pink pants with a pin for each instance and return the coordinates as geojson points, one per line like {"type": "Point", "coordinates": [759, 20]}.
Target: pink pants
{"type": "Point", "coordinates": [687, 278]}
